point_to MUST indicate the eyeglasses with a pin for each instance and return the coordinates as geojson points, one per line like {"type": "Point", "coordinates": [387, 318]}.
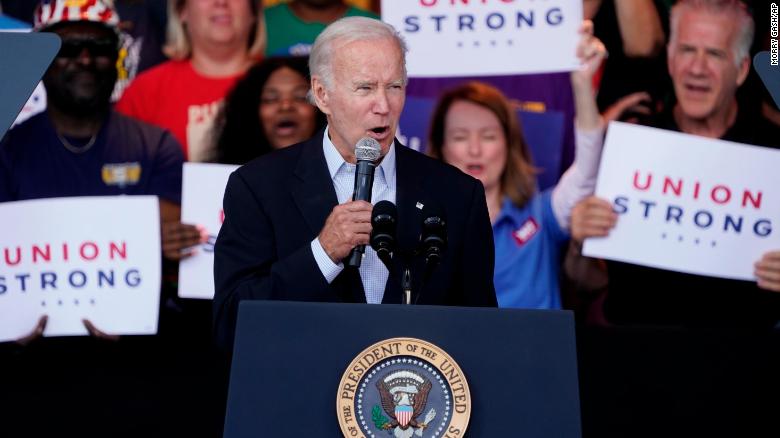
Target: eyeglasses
{"type": "Point", "coordinates": [103, 47]}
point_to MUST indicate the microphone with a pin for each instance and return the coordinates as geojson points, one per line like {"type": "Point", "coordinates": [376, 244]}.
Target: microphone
{"type": "Point", "coordinates": [433, 237]}
{"type": "Point", "coordinates": [383, 230]}
{"type": "Point", "coordinates": [433, 243]}
{"type": "Point", "coordinates": [367, 152]}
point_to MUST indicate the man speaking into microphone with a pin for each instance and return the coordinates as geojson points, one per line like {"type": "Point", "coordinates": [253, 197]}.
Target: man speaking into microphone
{"type": "Point", "coordinates": [290, 219]}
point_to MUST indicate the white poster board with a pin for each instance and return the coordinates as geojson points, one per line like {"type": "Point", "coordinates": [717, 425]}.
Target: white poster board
{"type": "Point", "coordinates": [486, 38]}
{"type": "Point", "coordinates": [203, 187]}
{"type": "Point", "coordinates": [95, 258]}
{"type": "Point", "coordinates": [688, 203]}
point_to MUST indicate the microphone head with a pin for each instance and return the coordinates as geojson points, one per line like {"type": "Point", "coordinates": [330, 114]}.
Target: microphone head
{"type": "Point", "coordinates": [367, 149]}
{"type": "Point", "coordinates": [384, 213]}
{"type": "Point", "coordinates": [434, 217]}
{"type": "Point", "coordinates": [383, 226]}
{"type": "Point", "coordinates": [383, 231]}
{"type": "Point", "coordinates": [433, 236]}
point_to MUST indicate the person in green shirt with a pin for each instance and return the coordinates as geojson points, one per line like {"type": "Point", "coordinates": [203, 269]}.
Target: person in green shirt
{"type": "Point", "coordinates": [293, 26]}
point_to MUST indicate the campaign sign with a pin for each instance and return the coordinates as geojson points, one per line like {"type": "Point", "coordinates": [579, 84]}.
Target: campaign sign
{"type": "Point", "coordinates": [203, 187]}
{"type": "Point", "coordinates": [95, 258]}
{"type": "Point", "coordinates": [688, 203]}
{"type": "Point", "coordinates": [486, 37]}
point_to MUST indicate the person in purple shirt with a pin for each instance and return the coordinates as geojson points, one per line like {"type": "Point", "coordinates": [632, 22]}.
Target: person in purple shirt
{"type": "Point", "coordinates": [475, 128]}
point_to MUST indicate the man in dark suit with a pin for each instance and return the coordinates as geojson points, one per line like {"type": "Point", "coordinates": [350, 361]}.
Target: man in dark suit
{"type": "Point", "coordinates": [289, 218]}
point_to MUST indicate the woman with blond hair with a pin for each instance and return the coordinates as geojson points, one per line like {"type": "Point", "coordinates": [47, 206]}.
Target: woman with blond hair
{"type": "Point", "coordinates": [476, 129]}
{"type": "Point", "coordinates": [211, 44]}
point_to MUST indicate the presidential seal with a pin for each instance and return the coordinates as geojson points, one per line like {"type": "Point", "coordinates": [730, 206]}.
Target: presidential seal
{"type": "Point", "coordinates": [403, 388]}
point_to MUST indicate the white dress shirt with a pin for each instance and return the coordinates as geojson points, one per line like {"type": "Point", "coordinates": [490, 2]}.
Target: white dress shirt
{"type": "Point", "coordinates": [373, 272]}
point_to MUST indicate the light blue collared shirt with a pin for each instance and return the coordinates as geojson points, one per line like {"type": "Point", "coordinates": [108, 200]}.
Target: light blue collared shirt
{"type": "Point", "coordinates": [372, 271]}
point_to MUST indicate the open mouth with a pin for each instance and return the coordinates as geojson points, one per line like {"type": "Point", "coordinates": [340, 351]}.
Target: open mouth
{"type": "Point", "coordinates": [693, 88]}
{"type": "Point", "coordinates": [474, 169]}
{"type": "Point", "coordinates": [286, 127]}
{"type": "Point", "coordinates": [379, 132]}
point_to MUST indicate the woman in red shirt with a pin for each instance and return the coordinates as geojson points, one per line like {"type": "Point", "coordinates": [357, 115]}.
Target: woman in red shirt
{"type": "Point", "coordinates": [211, 44]}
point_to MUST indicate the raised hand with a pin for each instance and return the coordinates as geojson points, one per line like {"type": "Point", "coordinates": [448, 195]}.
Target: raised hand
{"type": "Point", "coordinates": [591, 52]}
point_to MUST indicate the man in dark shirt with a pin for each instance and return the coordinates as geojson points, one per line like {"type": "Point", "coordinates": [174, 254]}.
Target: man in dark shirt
{"type": "Point", "coordinates": [708, 59]}
{"type": "Point", "coordinates": [79, 146]}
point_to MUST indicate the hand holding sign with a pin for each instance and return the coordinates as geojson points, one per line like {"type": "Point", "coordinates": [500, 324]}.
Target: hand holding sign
{"type": "Point", "coordinates": [97, 333]}
{"type": "Point", "coordinates": [40, 327]}
{"type": "Point", "coordinates": [179, 240]}
{"type": "Point", "coordinates": [203, 186]}
{"type": "Point", "coordinates": [768, 271]}
{"type": "Point", "coordinates": [36, 333]}
{"type": "Point", "coordinates": [592, 217]}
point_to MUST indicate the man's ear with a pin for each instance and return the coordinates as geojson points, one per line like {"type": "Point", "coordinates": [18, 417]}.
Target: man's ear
{"type": "Point", "coordinates": [320, 93]}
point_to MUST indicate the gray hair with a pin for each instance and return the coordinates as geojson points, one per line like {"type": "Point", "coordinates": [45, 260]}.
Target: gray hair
{"type": "Point", "coordinates": [735, 8]}
{"type": "Point", "coordinates": [345, 31]}
{"type": "Point", "coordinates": [177, 45]}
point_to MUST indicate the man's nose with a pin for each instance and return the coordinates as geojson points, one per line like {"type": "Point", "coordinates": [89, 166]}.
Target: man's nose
{"type": "Point", "coordinates": [85, 57]}
{"type": "Point", "coordinates": [699, 63]}
{"type": "Point", "coordinates": [381, 103]}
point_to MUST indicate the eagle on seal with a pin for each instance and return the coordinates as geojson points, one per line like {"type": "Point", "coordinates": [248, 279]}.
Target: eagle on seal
{"type": "Point", "coordinates": [404, 395]}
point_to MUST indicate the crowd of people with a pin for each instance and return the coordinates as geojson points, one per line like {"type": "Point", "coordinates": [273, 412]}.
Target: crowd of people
{"type": "Point", "coordinates": [235, 87]}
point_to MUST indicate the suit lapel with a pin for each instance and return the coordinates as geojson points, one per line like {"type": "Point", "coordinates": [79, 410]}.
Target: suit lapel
{"type": "Point", "coordinates": [409, 180]}
{"type": "Point", "coordinates": [314, 194]}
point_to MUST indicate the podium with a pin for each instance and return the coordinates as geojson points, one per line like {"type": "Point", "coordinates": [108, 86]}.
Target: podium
{"type": "Point", "coordinates": [289, 359]}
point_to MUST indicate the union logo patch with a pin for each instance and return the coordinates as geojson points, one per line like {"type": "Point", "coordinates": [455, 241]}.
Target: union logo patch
{"type": "Point", "coordinates": [121, 174]}
{"type": "Point", "coordinates": [404, 388]}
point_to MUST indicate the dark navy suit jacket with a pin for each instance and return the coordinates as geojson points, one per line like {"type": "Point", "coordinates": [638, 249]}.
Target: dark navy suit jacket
{"type": "Point", "coordinates": [277, 204]}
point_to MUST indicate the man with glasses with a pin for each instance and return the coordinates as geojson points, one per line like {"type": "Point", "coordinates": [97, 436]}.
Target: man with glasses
{"type": "Point", "coordinates": [79, 146]}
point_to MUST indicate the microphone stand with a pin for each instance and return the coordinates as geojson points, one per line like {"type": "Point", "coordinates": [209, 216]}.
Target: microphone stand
{"type": "Point", "coordinates": [406, 285]}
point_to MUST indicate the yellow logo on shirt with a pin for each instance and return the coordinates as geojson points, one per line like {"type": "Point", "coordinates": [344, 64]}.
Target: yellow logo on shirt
{"type": "Point", "coordinates": [121, 174]}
